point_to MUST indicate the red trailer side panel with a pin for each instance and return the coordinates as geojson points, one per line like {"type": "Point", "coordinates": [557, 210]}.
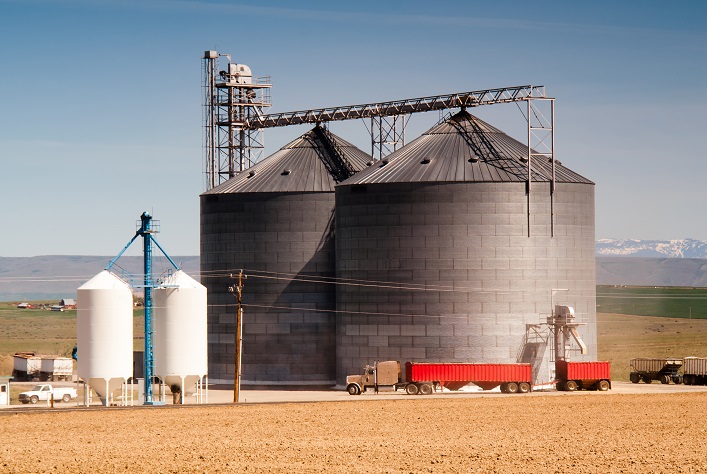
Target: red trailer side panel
{"type": "Point", "coordinates": [453, 372]}
{"type": "Point", "coordinates": [582, 370]}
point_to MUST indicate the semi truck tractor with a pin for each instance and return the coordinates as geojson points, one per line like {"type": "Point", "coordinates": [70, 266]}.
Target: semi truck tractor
{"type": "Point", "coordinates": [571, 376]}
{"type": "Point", "coordinates": [427, 378]}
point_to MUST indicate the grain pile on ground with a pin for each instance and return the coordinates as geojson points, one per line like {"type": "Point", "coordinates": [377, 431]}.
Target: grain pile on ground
{"type": "Point", "coordinates": [577, 432]}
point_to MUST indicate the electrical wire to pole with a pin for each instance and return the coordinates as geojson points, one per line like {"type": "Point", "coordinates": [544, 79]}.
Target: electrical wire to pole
{"type": "Point", "coordinates": [237, 291]}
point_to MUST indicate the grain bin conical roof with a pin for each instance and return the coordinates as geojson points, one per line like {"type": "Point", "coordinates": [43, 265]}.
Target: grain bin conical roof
{"type": "Point", "coordinates": [463, 148]}
{"type": "Point", "coordinates": [314, 162]}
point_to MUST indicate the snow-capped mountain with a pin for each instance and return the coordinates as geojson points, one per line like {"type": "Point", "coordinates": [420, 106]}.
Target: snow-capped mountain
{"type": "Point", "coordinates": [685, 248]}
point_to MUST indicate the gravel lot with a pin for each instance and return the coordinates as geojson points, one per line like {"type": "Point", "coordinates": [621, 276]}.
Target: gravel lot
{"type": "Point", "coordinates": [633, 428]}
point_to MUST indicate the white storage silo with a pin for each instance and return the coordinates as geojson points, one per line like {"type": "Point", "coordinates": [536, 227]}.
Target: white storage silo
{"type": "Point", "coordinates": [105, 333]}
{"type": "Point", "coordinates": [180, 342]}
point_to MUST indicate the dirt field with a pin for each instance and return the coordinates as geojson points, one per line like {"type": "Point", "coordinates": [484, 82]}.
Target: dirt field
{"type": "Point", "coordinates": [578, 432]}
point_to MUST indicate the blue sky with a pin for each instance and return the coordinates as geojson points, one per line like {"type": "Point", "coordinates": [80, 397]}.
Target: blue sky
{"type": "Point", "coordinates": [101, 100]}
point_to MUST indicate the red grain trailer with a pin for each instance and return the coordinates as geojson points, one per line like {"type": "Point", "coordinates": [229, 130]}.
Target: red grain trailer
{"type": "Point", "coordinates": [571, 376]}
{"type": "Point", "coordinates": [426, 377]}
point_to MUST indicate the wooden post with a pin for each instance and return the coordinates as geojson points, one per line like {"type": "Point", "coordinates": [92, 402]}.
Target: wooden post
{"type": "Point", "coordinates": [238, 292]}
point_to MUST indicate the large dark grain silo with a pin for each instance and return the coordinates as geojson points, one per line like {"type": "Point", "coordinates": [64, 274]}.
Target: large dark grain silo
{"type": "Point", "coordinates": [450, 258]}
{"type": "Point", "coordinates": [276, 222]}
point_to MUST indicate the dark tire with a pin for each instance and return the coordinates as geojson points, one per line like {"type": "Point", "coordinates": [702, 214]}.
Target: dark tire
{"type": "Point", "coordinates": [353, 389]}
{"type": "Point", "coordinates": [647, 379]}
{"type": "Point", "coordinates": [665, 379]}
{"type": "Point", "coordinates": [512, 387]}
{"type": "Point", "coordinates": [66, 398]}
{"type": "Point", "coordinates": [677, 379]}
{"type": "Point", "coordinates": [504, 388]}
{"type": "Point", "coordinates": [634, 378]}
{"type": "Point", "coordinates": [426, 389]}
{"type": "Point", "coordinates": [523, 387]}
{"type": "Point", "coordinates": [560, 386]}
{"type": "Point", "coordinates": [34, 399]}
{"type": "Point", "coordinates": [571, 386]}
{"type": "Point", "coordinates": [603, 385]}
{"type": "Point", "coordinates": [411, 389]}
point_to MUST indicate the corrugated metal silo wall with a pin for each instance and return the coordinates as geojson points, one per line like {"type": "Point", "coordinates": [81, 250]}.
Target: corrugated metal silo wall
{"type": "Point", "coordinates": [472, 240]}
{"type": "Point", "coordinates": [285, 233]}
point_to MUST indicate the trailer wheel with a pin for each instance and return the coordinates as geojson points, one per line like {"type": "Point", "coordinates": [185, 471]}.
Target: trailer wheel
{"type": "Point", "coordinates": [34, 399]}
{"type": "Point", "coordinates": [647, 379]}
{"type": "Point", "coordinates": [66, 398]}
{"type": "Point", "coordinates": [523, 387]}
{"type": "Point", "coordinates": [504, 388]}
{"type": "Point", "coordinates": [512, 387]}
{"type": "Point", "coordinates": [634, 377]}
{"type": "Point", "coordinates": [571, 386]}
{"type": "Point", "coordinates": [353, 389]}
{"type": "Point", "coordinates": [411, 389]}
{"type": "Point", "coordinates": [426, 389]}
{"type": "Point", "coordinates": [560, 386]}
{"type": "Point", "coordinates": [677, 379]}
{"type": "Point", "coordinates": [665, 379]}
{"type": "Point", "coordinates": [603, 385]}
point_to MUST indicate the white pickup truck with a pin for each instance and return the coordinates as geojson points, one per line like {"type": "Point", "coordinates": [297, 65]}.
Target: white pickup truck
{"type": "Point", "coordinates": [44, 391]}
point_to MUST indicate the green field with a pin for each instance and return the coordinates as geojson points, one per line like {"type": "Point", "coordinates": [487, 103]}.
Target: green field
{"type": "Point", "coordinates": [45, 332]}
{"type": "Point", "coordinates": [671, 302]}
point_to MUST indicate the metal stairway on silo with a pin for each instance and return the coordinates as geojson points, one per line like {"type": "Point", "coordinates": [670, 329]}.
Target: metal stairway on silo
{"type": "Point", "coordinates": [479, 143]}
{"type": "Point", "coordinates": [330, 153]}
{"type": "Point", "coordinates": [532, 349]}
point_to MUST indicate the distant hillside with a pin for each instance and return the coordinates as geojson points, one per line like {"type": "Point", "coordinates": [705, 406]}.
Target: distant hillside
{"type": "Point", "coordinates": [638, 271]}
{"type": "Point", "coordinates": [52, 277]}
{"type": "Point", "coordinates": [684, 248]}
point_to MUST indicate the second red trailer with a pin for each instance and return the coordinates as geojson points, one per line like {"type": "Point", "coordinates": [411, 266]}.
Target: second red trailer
{"type": "Point", "coordinates": [573, 376]}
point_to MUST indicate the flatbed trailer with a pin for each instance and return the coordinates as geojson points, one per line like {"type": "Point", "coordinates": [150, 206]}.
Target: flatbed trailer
{"type": "Point", "coordinates": [663, 369]}
{"type": "Point", "coordinates": [571, 376]}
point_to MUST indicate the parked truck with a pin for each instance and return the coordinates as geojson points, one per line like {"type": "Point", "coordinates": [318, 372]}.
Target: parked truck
{"type": "Point", "coordinates": [45, 391]}
{"type": "Point", "coordinates": [571, 376]}
{"type": "Point", "coordinates": [29, 366]}
{"type": "Point", "coordinates": [694, 371]}
{"type": "Point", "coordinates": [427, 378]}
{"type": "Point", "coordinates": [647, 370]}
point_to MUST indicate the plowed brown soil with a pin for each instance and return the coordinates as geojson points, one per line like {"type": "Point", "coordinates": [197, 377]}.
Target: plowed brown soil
{"type": "Point", "coordinates": [513, 433]}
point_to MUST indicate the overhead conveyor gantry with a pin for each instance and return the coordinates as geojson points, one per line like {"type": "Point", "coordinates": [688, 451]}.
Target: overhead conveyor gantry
{"type": "Point", "coordinates": [234, 117]}
{"type": "Point", "coordinates": [399, 107]}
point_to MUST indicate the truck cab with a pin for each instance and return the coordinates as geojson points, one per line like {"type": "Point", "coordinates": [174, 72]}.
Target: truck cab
{"type": "Point", "coordinates": [380, 374]}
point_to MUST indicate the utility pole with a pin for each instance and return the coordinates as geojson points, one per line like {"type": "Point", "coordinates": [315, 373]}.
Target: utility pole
{"type": "Point", "coordinates": [238, 292]}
